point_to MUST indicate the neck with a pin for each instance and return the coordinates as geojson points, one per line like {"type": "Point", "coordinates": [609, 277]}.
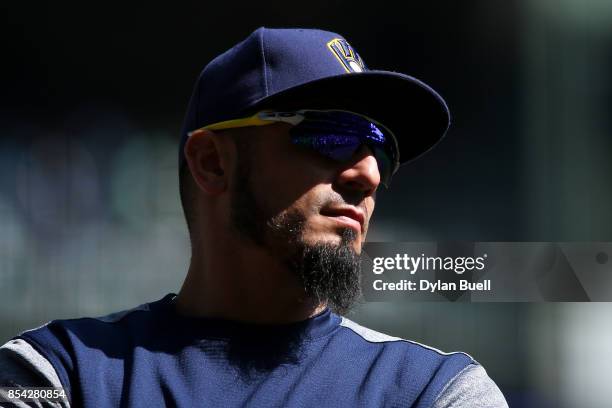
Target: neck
{"type": "Point", "coordinates": [234, 281]}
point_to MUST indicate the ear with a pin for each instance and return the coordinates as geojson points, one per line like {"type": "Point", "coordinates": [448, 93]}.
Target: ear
{"type": "Point", "coordinates": [204, 155]}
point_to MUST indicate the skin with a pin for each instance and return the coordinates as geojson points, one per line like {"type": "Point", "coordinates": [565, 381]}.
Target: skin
{"type": "Point", "coordinates": [231, 277]}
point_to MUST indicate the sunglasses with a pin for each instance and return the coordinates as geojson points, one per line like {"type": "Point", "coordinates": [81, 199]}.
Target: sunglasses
{"type": "Point", "coordinates": [335, 134]}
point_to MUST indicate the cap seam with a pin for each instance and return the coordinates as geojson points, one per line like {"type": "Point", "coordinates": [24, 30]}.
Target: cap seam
{"type": "Point", "coordinates": [265, 65]}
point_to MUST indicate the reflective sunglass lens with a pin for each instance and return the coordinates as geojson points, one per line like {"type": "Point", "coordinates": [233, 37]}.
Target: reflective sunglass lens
{"type": "Point", "coordinates": [342, 148]}
{"type": "Point", "coordinates": [337, 147]}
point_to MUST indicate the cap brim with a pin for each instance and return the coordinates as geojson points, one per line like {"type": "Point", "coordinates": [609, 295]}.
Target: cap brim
{"type": "Point", "coordinates": [415, 113]}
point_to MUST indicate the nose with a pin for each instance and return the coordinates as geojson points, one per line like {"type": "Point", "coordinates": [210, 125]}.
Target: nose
{"type": "Point", "coordinates": [361, 172]}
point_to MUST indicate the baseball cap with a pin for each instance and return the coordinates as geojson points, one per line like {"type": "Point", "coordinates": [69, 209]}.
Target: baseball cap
{"type": "Point", "coordinates": [310, 68]}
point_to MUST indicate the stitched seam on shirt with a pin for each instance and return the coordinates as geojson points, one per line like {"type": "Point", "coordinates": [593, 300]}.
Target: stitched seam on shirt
{"type": "Point", "coordinates": [416, 343]}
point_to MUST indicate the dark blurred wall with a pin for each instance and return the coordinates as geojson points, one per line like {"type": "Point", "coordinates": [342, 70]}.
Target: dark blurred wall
{"type": "Point", "coordinates": [72, 62]}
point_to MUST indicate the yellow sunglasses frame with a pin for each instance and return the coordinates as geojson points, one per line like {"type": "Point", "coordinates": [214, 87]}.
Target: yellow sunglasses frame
{"type": "Point", "coordinates": [269, 117]}
{"type": "Point", "coordinates": [262, 118]}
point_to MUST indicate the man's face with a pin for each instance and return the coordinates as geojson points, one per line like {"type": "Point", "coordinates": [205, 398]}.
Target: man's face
{"type": "Point", "coordinates": [293, 181]}
{"type": "Point", "coordinates": [310, 211]}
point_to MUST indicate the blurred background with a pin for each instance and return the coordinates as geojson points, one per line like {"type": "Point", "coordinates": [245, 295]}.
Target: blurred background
{"type": "Point", "coordinates": [92, 101]}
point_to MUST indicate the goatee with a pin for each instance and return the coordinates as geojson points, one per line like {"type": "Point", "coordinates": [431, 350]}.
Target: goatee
{"type": "Point", "coordinates": [330, 272]}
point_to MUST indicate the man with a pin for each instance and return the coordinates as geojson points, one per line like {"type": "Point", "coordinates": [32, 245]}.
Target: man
{"type": "Point", "coordinates": [287, 137]}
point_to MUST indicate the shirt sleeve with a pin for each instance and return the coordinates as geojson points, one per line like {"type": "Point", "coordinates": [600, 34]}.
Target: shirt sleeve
{"type": "Point", "coordinates": [471, 388]}
{"type": "Point", "coordinates": [22, 366]}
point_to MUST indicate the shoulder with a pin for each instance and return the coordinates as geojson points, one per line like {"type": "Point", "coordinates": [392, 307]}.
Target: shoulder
{"type": "Point", "coordinates": [473, 388]}
{"type": "Point", "coordinates": [416, 348]}
{"type": "Point", "coordinates": [22, 366]}
{"type": "Point", "coordinates": [447, 379]}
{"type": "Point", "coordinates": [99, 331]}
{"type": "Point", "coordinates": [94, 332]}
{"type": "Point", "coordinates": [71, 348]}
{"type": "Point", "coordinates": [59, 340]}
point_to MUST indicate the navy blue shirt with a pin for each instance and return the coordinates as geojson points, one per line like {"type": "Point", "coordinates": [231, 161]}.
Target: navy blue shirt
{"type": "Point", "coordinates": [152, 356]}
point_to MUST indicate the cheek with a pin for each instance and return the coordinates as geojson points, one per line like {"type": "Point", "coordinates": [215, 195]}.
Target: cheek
{"type": "Point", "coordinates": [289, 181]}
{"type": "Point", "coordinates": [280, 189]}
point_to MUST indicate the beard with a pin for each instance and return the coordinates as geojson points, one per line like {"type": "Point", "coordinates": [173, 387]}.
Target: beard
{"type": "Point", "coordinates": [328, 273]}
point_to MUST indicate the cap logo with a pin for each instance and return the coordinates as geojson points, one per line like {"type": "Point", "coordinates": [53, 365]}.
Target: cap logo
{"type": "Point", "coordinates": [348, 57]}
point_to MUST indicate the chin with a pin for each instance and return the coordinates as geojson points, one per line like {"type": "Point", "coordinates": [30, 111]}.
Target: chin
{"type": "Point", "coordinates": [335, 238]}
{"type": "Point", "coordinates": [321, 231]}
{"type": "Point", "coordinates": [319, 239]}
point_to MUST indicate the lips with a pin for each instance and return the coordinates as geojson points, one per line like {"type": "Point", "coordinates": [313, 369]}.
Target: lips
{"type": "Point", "coordinates": [346, 215]}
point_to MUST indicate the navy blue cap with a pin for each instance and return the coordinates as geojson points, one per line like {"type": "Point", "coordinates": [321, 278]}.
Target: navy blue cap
{"type": "Point", "coordinates": [313, 69]}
